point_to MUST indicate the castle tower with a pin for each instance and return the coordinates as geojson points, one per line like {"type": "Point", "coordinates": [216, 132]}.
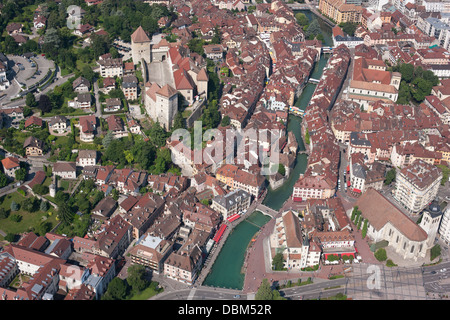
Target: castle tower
{"type": "Point", "coordinates": [140, 46]}
{"type": "Point", "coordinates": [166, 106]}
{"type": "Point", "coordinates": [202, 83]}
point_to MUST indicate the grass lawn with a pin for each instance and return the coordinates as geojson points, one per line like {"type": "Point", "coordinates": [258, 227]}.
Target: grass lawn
{"type": "Point", "coordinates": [29, 219]}
{"type": "Point", "coordinates": [16, 282]}
{"type": "Point", "coordinates": [146, 294]}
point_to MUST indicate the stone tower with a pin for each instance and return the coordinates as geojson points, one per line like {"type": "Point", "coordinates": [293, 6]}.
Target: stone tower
{"type": "Point", "coordinates": [140, 46]}
{"type": "Point", "coordinates": [161, 104]}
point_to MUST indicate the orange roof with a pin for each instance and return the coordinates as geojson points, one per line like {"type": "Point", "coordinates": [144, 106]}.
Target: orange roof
{"type": "Point", "coordinates": [10, 162]}
{"type": "Point", "coordinates": [202, 75]}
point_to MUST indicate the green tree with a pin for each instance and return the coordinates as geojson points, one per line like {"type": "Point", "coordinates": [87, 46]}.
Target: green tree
{"type": "Point", "coordinates": [136, 278]}
{"type": "Point", "coordinates": [354, 212]}
{"type": "Point", "coordinates": [278, 262]}
{"type": "Point", "coordinates": [3, 180]}
{"type": "Point", "coordinates": [380, 254]}
{"type": "Point", "coordinates": [65, 213]}
{"type": "Point", "coordinates": [10, 237]}
{"type": "Point", "coordinates": [407, 71]}
{"type": "Point", "coordinates": [45, 105]}
{"type": "Point", "coordinates": [307, 137]}
{"type": "Point", "coordinates": [117, 290]}
{"type": "Point", "coordinates": [109, 137]}
{"type": "Point", "coordinates": [313, 29]}
{"type": "Point", "coordinates": [225, 121]}
{"type": "Point", "coordinates": [4, 213]}
{"type": "Point", "coordinates": [390, 176]}
{"type": "Point", "coordinates": [20, 174]}
{"type": "Point", "coordinates": [40, 190]}
{"type": "Point", "coordinates": [264, 291]}
{"type": "Point", "coordinates": [43, 206]}
{"type": "Point", "coordinates": [364, 229]}
{"type": "Point", "coordinates": [301, 19]}
{"type": "Point", "coordinates": [14, 206]}
{"type": "Point", "coordinates": [30, 100]}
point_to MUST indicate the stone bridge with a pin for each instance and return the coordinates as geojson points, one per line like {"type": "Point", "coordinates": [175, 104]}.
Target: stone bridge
{"type": "Point", "coordinates": [266, 210]}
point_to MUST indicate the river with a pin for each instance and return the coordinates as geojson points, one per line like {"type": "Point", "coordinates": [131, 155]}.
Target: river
{"type": "Point", "coordinates": [226, 271]}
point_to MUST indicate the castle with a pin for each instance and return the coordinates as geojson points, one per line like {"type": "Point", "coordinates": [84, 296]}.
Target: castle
{"type": "Point", "coordinates": [171, 76]}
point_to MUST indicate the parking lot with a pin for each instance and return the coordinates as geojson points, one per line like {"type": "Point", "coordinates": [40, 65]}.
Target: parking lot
{"type": "Point", "coordinates": [124, 49]}
{"type": "Point", "coordinates": [25, 73]}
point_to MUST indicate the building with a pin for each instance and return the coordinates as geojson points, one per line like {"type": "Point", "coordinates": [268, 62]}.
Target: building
{"type": "Point", "coordinates": [65, 170]}
{"type": "Point", "coordinates": [387, 222]}
{"type": "Point", "coordinates": [114, 238]}
{"type": "Point", "coordinates": [130, 87]}
{"type": "Point", "coordinates": [33, 146]}
{"type": "Point", "coordinates": [444, 228]}
{"type": "Point", "coordinates": [184, 266]}
{"type": "Point", "coordinates": [235, 202]}
{"type": "Point", "coordinates": [10, 166]}
{"type": "Point", "coordinates": [340, 11]}
{"type": "Point", "coordinates": [416, 185]}
{"type": "Point", "coordinates": [58, 125]}
{"type": "Point", "coordinates": [161, 104]}
{"type": "Point", "coordinates": [111, 67]}
{"type": "Point", "coordinates": [112, 105]}
{"type": "Point", "coordinates": [81, 84]}
{"type": "Point", "coordinates": [140, 46]}
{"type": "Point", "coordinates": [104, 208]}
{"type": "Point", "coordinates": [289, 240]}
{"type": "Point", "coordinates": [151, 252]}
{"type": "Point", "coordinates": [88, 125]}
{"type": "Point", "coordinates": [86, 158]}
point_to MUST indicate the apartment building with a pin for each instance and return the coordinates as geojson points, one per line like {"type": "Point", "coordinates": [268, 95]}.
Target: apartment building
{"type": "Point", "coordinates": [417, 185]}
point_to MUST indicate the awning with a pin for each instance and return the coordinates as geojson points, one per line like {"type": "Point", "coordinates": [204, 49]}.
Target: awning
{"type": "Point", "coordinates": [297, 199]}
{"type": "Point", "coordinates": [233, 217]}
{"type": "Point", "coordinates": [219, 233]}
{"type": "Point", "coordinates": [348, 183]}
{"type": "Point", "coordinates": [348, 168]}
{"type": "Point", "coordinates": [357, 190]}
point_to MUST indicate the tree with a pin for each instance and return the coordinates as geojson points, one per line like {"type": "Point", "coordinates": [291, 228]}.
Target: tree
{"type": "Point", "coordinates": [364, 229]}
{"type": "Point", "coordinates": [301, 19]}
{"type": "Point", "coordinates": [65, 213]}
{"type": "Point", "coordinates": [117, 290]}
{"type": "Point", "coordinates": [278, 262]}
{"type": "Point", "coordinates": [390, 176]}
{"type": "Point", "coordinates": [380, 254]}
{"type": "Point", "coordinates": [313, 29]}
{"type": "Point", "coordinates": [88, 73]}
{"type": "Point", "coordinates": [4, 213]}
{"type": "Point", "coordinates": [40, 190]}
{"type": "Point", "coordinates": [14, 206]}
{"type": "Point", "coordinates": [349, 28]}
{"type": "Point", "coordinates": [3, 180]}
{"type": "Point", "coordinates": [30, 100]}
{"type": "Point", "coordinates": [43, 206]}
{"type": "Point", "coordinates": [109, 137]}
{"type": "Point", "coordinates": [225, 121]}
{"type": "Point", "coordinates": [407, 71]}
{"type": "Point", "coordinates": [45, 105]}
{"type": "Point", "coordinates": [10, 237]}
{"type": "Point", "coordinates": [136, 278]}
{"type": "Point", "coordinates": [43, 228]}
{"type": "Point", "coordinates": [20, 174]}
{"type": "Point", "coordinates": [178, 122]}
{"type": "Point", "coordinates": [281, 169]}
{"type": "Point", "coordinates": [264, 291]}
{"type": "Point", "coordinates": [307, 137]}
{"type": "Point", "coordinates": [354, 212]}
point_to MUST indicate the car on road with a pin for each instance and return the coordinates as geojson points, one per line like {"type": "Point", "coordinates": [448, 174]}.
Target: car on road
{"type": "Point", "coordinates": [236, 296]}
{"type": "Point", "coordinates": [443, 270]}
{"type": "Point", "coordinates": [433, 272]}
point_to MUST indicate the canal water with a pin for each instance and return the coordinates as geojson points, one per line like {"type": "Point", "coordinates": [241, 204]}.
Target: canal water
{"type": "Point", "coordinates": [227, 269]}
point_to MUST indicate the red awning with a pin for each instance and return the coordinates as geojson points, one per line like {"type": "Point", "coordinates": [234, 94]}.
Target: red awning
{"type": "Point", "coordinates": [219, 233]}
{"type": "Point", "coordinates": [297, 199]}
{"type": "Point", "coordinates": [348, 168]}
{"type": "Point", "coordinates": [357, 190]}
{"type": "Point", "coordinates": [233, 217]}
{"type": "Point", "coordinates": [348, 183]}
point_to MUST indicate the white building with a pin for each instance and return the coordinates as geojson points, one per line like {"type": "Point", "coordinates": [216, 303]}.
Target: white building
{"type": "Point", "coordinates": [65, 170]}
{"type": "Point", "coordinates": [86, 158]}
{"type": "Point", "coordinates": [417, 185]}
{"type": "Point", "coordinates": [444, 228]}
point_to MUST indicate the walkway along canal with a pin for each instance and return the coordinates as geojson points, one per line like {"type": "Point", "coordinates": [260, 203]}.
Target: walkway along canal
{"type": "Point", "coordinates": [226, 271]}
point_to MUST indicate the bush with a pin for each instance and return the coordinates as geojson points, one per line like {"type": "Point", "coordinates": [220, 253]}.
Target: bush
{"type": "Point", "coordinates": [4, 213]}
{"type": "Point", "coordinates": [390, 263]}
{"type": "Point", "coordinates": [380, 254]}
